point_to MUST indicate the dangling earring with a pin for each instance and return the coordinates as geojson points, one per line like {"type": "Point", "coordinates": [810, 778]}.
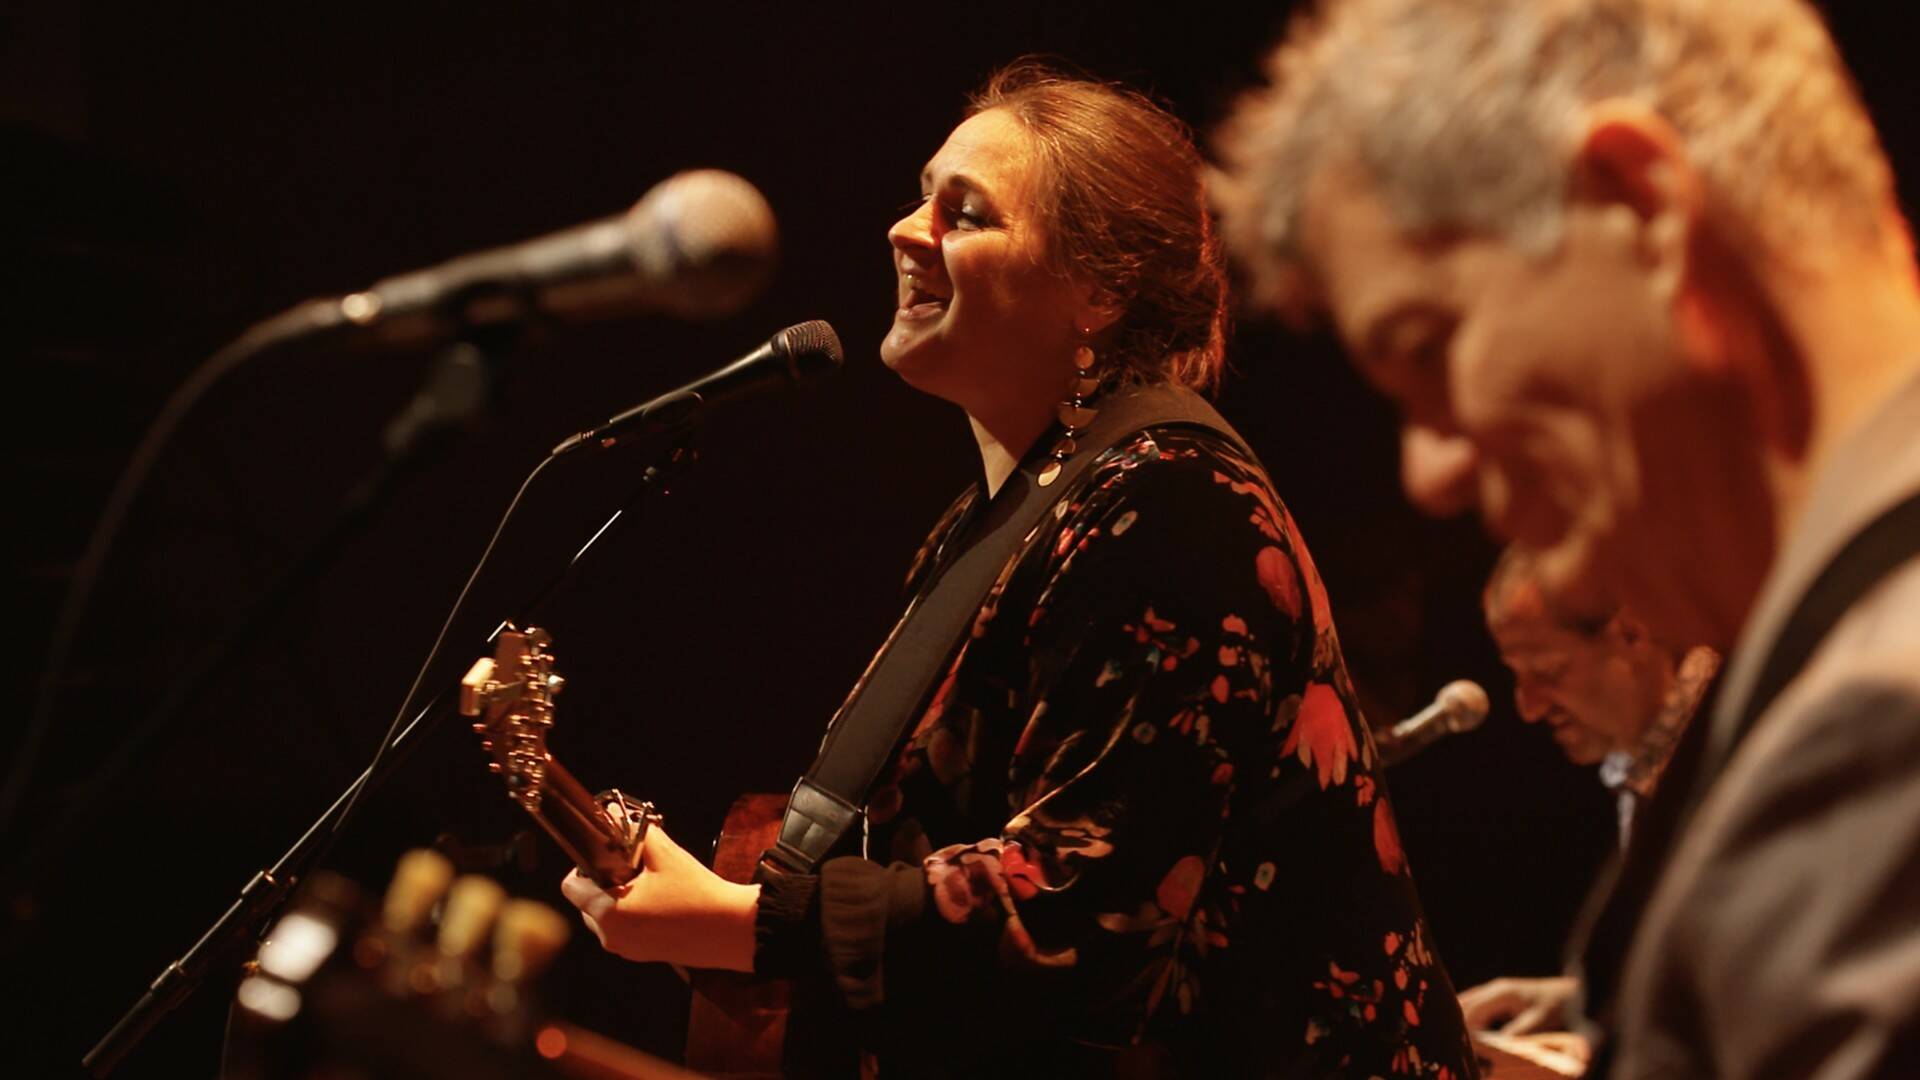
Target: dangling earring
{"type": "Point", "coordinates": [1074, 413]}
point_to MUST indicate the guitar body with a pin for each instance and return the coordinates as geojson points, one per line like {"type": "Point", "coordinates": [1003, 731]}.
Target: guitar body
{"type": "Point", "coordinates": [737, 1025]}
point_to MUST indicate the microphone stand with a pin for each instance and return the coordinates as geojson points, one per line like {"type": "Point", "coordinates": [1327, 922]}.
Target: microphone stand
{"type": "Point", "coordinates": [269, 889]}
{"type": "Point", "coordinates": [457, 391]}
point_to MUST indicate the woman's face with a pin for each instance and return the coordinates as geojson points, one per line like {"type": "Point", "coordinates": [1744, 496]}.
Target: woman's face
{"type": "Point", "coordinates": [982, 320]}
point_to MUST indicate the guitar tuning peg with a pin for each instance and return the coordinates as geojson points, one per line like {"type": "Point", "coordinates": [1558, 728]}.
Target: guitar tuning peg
{"type": "Point", "coordinates": [555, 684]}
{"type": "Point", "coordinates": [418, 883]}
{"type": "Point", "coordinates": [467, 919]}
{"type": "Point", "coordinates": [526, 938]}
{"type": "Point", "coordinates": [479, 729]}
{"type": "Point", "coordinates": [493, 767]}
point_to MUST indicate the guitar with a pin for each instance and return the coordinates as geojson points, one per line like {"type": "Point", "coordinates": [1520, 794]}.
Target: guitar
{"type": "Point", "coordinates": [736, 1026]}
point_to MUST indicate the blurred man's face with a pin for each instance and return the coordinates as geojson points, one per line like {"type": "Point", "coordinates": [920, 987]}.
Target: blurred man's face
{"type": "Point", "coordinates": [1545, 390]}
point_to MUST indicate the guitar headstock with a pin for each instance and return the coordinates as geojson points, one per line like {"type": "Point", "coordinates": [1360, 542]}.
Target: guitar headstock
{"type": "Point", "coordinates": [512, 694]}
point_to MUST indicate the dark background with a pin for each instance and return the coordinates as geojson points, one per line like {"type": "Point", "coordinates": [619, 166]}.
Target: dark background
{"type": "Point", "coordinates": [179, 174]}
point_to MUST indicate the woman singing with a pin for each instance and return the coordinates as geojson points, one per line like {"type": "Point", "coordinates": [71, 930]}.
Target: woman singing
{"type": "Point", "coordinates": [1137, 829]}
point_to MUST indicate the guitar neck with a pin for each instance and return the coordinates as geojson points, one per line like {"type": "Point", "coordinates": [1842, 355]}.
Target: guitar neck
{"type": "Point", "coordinates": [583, 828]}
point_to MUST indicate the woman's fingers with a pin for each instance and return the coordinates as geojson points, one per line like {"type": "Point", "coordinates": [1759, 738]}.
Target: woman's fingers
{"type": "Point", "coordinates": [676, 910]}
{"type": "Point", "coordinates": [660, 852]}
{"type": "Point", "coordinates": [594, 929]}
{"type": "Point", "coordinates": [592, 900]}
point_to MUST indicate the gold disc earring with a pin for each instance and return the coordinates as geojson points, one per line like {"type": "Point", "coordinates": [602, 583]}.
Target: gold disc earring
{"type": "Point", "coordinates": [1074, 413]}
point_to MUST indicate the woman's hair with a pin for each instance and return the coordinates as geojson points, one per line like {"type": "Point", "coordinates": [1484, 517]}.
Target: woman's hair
{"type": "Point", "coordinates": [1124, 195]}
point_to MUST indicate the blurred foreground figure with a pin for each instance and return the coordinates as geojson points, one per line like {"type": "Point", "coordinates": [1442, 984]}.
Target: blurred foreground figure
{"type": "Point", "coordinates": [1634, 273]}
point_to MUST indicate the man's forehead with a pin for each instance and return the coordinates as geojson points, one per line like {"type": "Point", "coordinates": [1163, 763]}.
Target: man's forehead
{"type": "Point", "coordinates": [1522, 633]}
{"type": "Point", "coordinates": [1367, 268]}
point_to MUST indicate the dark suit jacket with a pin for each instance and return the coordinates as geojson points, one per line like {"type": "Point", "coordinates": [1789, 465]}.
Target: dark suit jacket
{"type": "Point", "coordinates": [1766, 920]}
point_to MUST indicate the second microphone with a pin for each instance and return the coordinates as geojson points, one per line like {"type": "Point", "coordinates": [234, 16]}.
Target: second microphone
{"type": "Point", "coordinates": [796, 354]}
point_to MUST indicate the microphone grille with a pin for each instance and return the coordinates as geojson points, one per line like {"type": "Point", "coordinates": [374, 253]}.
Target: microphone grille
{"type": "Point", "coordinates": [812, 348]}
{"type": "Point", "coordinates": [1466, 704]}
{"type": "Point", "coordinates": [706, 235]}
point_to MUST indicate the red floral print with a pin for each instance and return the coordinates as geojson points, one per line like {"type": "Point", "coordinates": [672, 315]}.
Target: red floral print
{"type": "Point", "coordinates": [1181, 885]}
{"type": "Point", "coordinates": [1114, 740]}
{"type": "Point", "coordinates": [1386, 839]}
{"type": "Point", "coordinates": [1277, 576]}
{"type": "Point", "coordinates": [1322, 735]}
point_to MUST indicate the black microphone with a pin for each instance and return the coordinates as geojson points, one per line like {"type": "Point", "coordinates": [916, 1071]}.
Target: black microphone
{"type": "Point", "coordinates": [700, 244]}
{"type": "Point", "coordinates": [1459, 706]}
{"type": "Point", "coordinates": [798, 353]}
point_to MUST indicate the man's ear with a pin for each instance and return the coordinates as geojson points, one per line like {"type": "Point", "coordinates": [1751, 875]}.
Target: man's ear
{"type": "Point", "coordinates": [1630, 158]}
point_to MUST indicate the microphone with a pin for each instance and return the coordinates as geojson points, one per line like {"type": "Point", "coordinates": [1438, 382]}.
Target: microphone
{"type": "Point", "coordinates": [798, 353]}
{"type": "Point", "coordinates": [1459, 706]}
{"type": "Point", "coordinates": [700, 244]}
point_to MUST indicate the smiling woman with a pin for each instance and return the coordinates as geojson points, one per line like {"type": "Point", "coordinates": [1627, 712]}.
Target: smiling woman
{"type": "Point", "coordinates": [1135, 826]}
{"type": "Point", "coordinates": [1059, 214]}
{"type": "Point", "coordinates": [985, 320]}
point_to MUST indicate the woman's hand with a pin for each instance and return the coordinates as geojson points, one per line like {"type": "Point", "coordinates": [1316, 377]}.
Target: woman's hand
{"type": "Point", "coordinates": [1519, 1006]}
{"type": "Point", "coordinates": [677, 911]}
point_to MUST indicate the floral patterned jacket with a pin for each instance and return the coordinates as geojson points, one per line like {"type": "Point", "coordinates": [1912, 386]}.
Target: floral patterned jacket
{"type": "Point", "coordinates": [1139, 830]}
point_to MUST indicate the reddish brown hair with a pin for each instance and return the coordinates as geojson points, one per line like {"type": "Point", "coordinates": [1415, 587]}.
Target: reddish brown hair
{"type": "Point", "coordinates": [1126, 201]}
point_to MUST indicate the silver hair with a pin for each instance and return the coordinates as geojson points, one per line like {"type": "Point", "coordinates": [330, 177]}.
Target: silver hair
{"type": "Point", "coordinates": [1462, 112]}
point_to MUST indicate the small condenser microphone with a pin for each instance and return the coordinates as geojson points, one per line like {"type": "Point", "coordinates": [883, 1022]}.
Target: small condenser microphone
{"type": "Point", "coordinates": [798, 353]}
{"type": "Point", "coordinates": [1459, 706]}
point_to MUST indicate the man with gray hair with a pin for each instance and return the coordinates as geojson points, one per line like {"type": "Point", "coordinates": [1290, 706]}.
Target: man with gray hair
{"type": "Point", "coordinates": [1634, 273]}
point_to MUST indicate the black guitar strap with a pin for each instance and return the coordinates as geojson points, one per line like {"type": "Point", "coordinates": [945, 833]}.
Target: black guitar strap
{"type": "Point", "coordinates": [1874, 552]}
{"type": "Point", "coordinates": [826, 803]}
